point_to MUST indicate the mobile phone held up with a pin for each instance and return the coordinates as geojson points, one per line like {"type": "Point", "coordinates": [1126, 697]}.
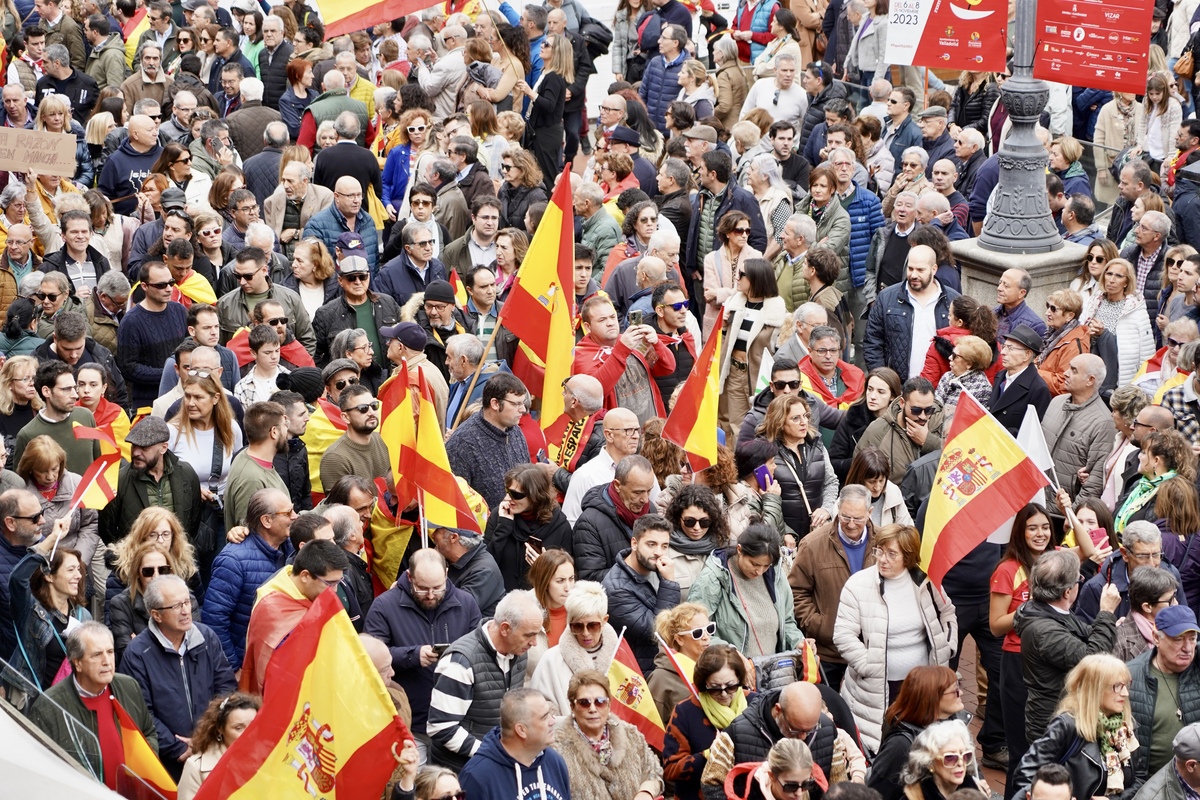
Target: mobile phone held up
{"type": "Point", "coordinates": [764, 477]}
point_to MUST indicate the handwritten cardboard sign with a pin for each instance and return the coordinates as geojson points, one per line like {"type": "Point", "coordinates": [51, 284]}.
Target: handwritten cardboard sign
{"type": "Point", "coordinates": [37, 151]}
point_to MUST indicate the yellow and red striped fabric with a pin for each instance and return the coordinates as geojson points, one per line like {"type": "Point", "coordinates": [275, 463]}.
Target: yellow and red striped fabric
{"type": "Point", "coordinates": [983, 478]}
{"type": "Point", "coordinates": [139, 758]}
{"type": "Point", "coordinates": [692, 423]}
{"type": "Point", "coordinates": [631, 700]}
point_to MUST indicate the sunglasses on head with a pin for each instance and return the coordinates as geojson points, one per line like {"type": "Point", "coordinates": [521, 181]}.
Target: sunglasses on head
{"type": "Point", "coordinates": [150, 572]}
{"type": "Point", "coordinates": [344, 382]}
{"type": "Point", "coordinates": [588, 702]}
{"type": "Point", "coordinates": [781, 385]}
{"type": "Point", "coordinates": [162, 284]}
{"type": "Point", "coordinates": [363, 408]}
{"type": "Point", "coordinates": [703, 523]}
{"type": "Point", "coordinates": [590, 627]}
{"type": "Point", "coordinates": [517, 495]}
{"type": "Point", "coordinates": [199, 373]}
{"type": "Point", "coordinates": [698, 633]}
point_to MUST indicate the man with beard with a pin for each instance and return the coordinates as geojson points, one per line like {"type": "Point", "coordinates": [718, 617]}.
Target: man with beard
{"type": "Point", "coordinates": [360, 450]}
{"type": "Point", "coordinates": [254, 468]}
{"type": "Point", "coordinates": [154, 476]}
{"type": "Point", "coordinates": [417, 618]}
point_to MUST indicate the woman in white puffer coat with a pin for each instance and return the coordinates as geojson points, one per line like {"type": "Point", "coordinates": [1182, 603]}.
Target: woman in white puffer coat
{"type": "Point", "coordinates": [890, 619]}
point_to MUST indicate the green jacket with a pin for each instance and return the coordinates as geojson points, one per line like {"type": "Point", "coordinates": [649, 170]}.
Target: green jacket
{"type": "Point", "coordinates": [51, 719]}
{"type": "Point", "coordinates": [328, 105]}
{"type": "Point", "coordinates": [107, 62]}
{"type": "Point", "coordinates": [793, 288]}
{"type": "Point", "coordinates": [833, 231]}
{"type": "Point", "coordinates": [713, 589]}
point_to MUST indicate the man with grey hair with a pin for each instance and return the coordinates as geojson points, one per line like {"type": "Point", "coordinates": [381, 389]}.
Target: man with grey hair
{"type": "Point", "coordinates": [879, 90]}
{"type": "Point", "coordinates": [474, 675]}
{"type": "Point", "coordinates": [348, 534]}
{"type": "Point", "coordinates": [799, 233]}
{"type": "Point", "coordinates": [347, 159]}
{"type": "Point", "coordinates": [1012, 312]}
{"type": "Point", "coordinates": [417, 618]}
{"type": "Point", "coordinates": [179, 664]}
{"type": "Point", "coordinates": [582, 439]}
{"type": "Point", "coordinates": [464, 351]}
{"type": "Point", "coordinates": [472, 567]}
{"type": "Point", "coordinates": [248, 123]}
{"type": "Point", "coordinates": [1147, 253]}
{"type": "Point", "coordinates": [293, 203]}
{"type": "Point", "coordinates": [1141, 548]}
{"type": "Point", "coordinates": [934, 209]}
{"type": "Point", "coordinates": [825, 560]}
{"type": "Point", "coordinates": [262, 168]}
{"type": "Point", "coordinates": [441, 78]}
{"type": "Point", "coordinates": [1079, 429]}
{"type": "Point", "coordinates": [74, 705]}
{"type": "Point", "coordinates": [600, 231]}
{"type": "Point", "coordinates": [781, 95]}
{"type": "Point", "coordinates": [19, 259]}
{"type": "Point", "coordinates": [150, 81]}
{"type": "Point", "coordinates": [179, 127]}
{"type": "Point", "coordinates": [273, 60]}
{"type": "Point", "coordinates": [333, 100]}
{"type": "Point", "coordinates": [806, 317]}
{"type": "Point", "coordinates": [1053, 640]}
{"type": "Point", "coordinates": [60, 77]}
{"type": "Point", "coordinates": [674, 205]}
{"type": "Point", "coordinates": [887, 258]}
{"type": "Point", "coordinates": [626, 283]}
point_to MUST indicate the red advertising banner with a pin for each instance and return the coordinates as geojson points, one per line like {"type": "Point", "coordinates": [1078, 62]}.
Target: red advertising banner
{"type": "Point", "coordinates": [948, 34]}
{"type": "Point", "coordinates": [1099, 44]}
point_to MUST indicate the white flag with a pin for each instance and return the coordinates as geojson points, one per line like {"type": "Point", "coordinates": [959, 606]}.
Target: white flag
{"type": "Point", "coordinates": [1033, 442]}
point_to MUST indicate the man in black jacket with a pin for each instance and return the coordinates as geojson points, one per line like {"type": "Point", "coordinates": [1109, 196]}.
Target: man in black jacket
{"type": "Point", "coordinates": [292, 464]}
{"type": "Point", "coordinates": [346, 158]}
{"type": "Point", "coordinates": [72, 345]}
{"type": "Point", "coordinates": [139, 484]}
{"type": "Point", "coordinates": [556, 23]}
{"type": "Point", "coordinates": [634, 598]}
{"type": "Point", "coordinates": [273, 60]}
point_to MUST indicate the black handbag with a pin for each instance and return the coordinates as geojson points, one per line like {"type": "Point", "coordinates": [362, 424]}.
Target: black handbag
{"type": "Point", "coordinates": [210, 534]}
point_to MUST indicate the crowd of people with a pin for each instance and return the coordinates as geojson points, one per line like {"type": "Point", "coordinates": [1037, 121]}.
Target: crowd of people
{"type": "Point", "coordinates": [223, 301]}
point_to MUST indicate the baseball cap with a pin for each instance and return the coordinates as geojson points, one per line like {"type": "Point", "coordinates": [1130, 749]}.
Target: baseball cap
{"type": "Point", "coordinates": [1176, 620]}
{"type": "Point", "coordinates": [409, 334]}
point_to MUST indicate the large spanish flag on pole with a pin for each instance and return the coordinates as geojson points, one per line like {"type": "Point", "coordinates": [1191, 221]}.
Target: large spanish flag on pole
{"type": "Point", "coordinates": [327, 725]}
{"type": "Point", "coordinates": [541, 305]}
{"type": "Point", "coordinates": [632, 702]}
{"type": "Point", "coordinates": [692, 423]}
{"type": "Point", "coordinates": [983, 478]}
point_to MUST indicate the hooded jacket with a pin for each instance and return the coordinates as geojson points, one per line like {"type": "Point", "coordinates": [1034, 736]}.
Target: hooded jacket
{"type": "Point", "coordinates": [124, 173]}
{"type": "Point", "coordinates": [106, 65]}
{"type": "Point", "coordinates": [714, 590]}
{"type": "Point", "coordinates": [492, 773]}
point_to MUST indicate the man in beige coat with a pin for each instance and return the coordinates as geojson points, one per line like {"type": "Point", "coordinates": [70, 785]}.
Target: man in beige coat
{"type": "Point", "coordinates": [295, 188]}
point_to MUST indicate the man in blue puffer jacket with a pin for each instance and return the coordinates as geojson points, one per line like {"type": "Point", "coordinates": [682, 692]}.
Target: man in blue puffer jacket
{"type": "Point", "coordinates": [242, 567]}
{"type": "Point", "coordinates": [866, 217]}
{"type": "Point", "coordinates": [660, 84]}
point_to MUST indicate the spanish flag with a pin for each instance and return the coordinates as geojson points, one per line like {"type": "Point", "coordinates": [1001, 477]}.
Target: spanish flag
{"type": "Point", "coordinates": [631, 698]}
{"type": "Point", "coordinates": [983, 478]}
{"type": "Point", "coordinates": [325, 427]}
{"type": "Point", "coordinates": [398, 427]}
{"type": "Point", "coordinates": [112, 420]}
{"type": "Point", "coordinates": [98, 484]}
{"type": "Point", "coordinates": [344, 17]}
{"type": "Point", "coordinates": [541, 305]}
{"type": "Point", "coordinates": [460, 291]}
{"type": "Point", "coordinates": [293, 352]}
{"type": "Point", "coordinates": [425, 464]}
{"type": "Point", "coordinates": [195, 288]}
{"type": "Point", "coordinates": [692, 423]}
{"type": "Point", "coordinates": [327, 725]}
{"type": "Point", "coordinates": [140, 758]}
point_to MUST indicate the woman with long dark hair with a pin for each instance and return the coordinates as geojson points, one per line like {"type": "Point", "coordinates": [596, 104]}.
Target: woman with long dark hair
{"type": "Point", "coordinates": [698, 527]}
{"type": "Point", "coordinates": [803, 470]}
{"type": "Point", "coordinates": [1165, 454]}
{"type": "Point", "coordinates": [1089, 281]}
{"type": "Point", "coordinates": [175, 162]}
{"type": "Point", "coordinates": [19, 337]}
{"type": "Point", "coordinates": [527, 521]}
{"type": "Point", "coordinates": [883, 386]}
{"type": "Point", "coordinates": [752, 316]}
{"type": "Point", "coordinates": [968, 317]}
{"type": "Point", "coordinates": [870, 469]}
{"type": "Point", "coordinates": [225, 720]}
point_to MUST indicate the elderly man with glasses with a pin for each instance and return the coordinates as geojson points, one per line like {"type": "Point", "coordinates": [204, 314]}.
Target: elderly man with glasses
{"type": "Point", "coordinates": [1147, 254]}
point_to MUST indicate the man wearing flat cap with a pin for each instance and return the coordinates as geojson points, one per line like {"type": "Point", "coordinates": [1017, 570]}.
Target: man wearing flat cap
{"type": "Point", "coordinates": [626, 140]}
{"type": "Point", "coordinates": [153, 476]}
{"type": "Point", "coordinates": [1019, 384]}
{"type": "Point", "coordinates": [1179, 779]}
{"type": "Point", "coordinates": [357, 306]}
{"type": "Point", "coordinates": [935, 136]}
{"type": "Point", "coordinates": [441, 318]}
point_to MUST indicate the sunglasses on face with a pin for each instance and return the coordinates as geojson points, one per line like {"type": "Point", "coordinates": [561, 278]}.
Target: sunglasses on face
{"type": "Point", "coordinates": [459, 795]}
{"type": "Point", "coordinates": [150, 572]}
{"type": "Point", "coordinates": [588, 702]}
{"type": "Point", "coordinates": [703, 523]}
{"type": "Point", "coordinates": [727, 689]}
{"type": "Point", "coordinates": [517, 495]}
{"type": "Point", "coordinates": [741, 231]}
{"type": "Point", "coordinates": [919, 411]}
{"type": "Point", "coordinates": [1174, 342]}
{"type": "Point", "coordinates": [356, 277]}
{"type": "Point", "coordinates": [364, 407]}
{"type": "Point", "coordinates": [590, 627]}
{"type": "Point", "coordinates": [416, 128]}
{"type": "Point", "coordinates": [792, 787]}
{"type": "Point", "coordinates": [698, 633]}
{"type": "Point", "coordinates": [1096, 259]}
{"type": "Point", "coordinates": [277, 321]}
{"type": "Point", "coordinates": [781, 385]}
{"type": "Point", "coordinates": [966, 758]}
{"type": "Point", "coordinates": [421, 203]}
{"type": "Point", "coordinates": [244, 276]}
{"type": "Point", "coordinates": [162, 285]}
{"type": "Point", "coordinates": [1051, 307]}
{"type": "Point", "coordinates": [680, 306]}
{"type": "Point", "coordinates": [53, 298]}
{"type": "Point", "coordinates": [342, 384]}
{"type": "Point", "coordinates": [1171, 262]}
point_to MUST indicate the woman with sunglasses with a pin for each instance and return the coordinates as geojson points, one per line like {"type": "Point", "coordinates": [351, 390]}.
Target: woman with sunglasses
{"type": "Point", "coordinates": [1065, 338]}
{"type": "Point", "coordinates": [527, 521]}
{"type": "Point", "coordinates": [698, 527]}
{"type": "Point", "coordinates": [47, 595]}
{"type": "Point", "coordinates": [412, 130]}
{"type": "Point", "coordinates": [808, 484]}
{"type": "Point", "coordinates": [209, 241]}
{"type": "Point", "coordinates": [969, 361]}
{"type": "Point", "coordinates": [588, 643]}
{"type": "Point", "coordinates": [688, 631]}
{"type": "Point", "coordinates": [522, 186]}
{"type": "Point", "coordinates": [431, 783]}
{"type": "Point", "coordinates": [220, 726]}
{"type": "Point", "coordinates": [941, 762]}
{"type": "Point", "coordinates": [606, 757]}
{"type": "Point", "coordinates": [43, 468]}
{"type": "Point", "coordinates": [1176, 298]}
{"type": "Point", "coordinates": [298, 96]}
{"type": "Point", "coordinates": [1092, 734]}
{"type": "Point", "coordinates": [890, 618]}
{"type": "Point", "coordinates": [720, 677]}
{"type": "Point", "coordinates": [721, 265]}
{"type": "Point", "coordinates": [176, 164]}
{"type": "Point", "coordinates": [927, 696]}
{"type": "Point", "coordinates": [787, 774]}
{"type": "Point", "coordinates": [127, 613]}
{"type": "Point", "coordinates": [1089, 281]}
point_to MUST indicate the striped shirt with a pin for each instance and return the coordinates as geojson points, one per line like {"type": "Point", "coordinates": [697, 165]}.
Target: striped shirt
{"type": "Point", "coordinates": [452, 698]}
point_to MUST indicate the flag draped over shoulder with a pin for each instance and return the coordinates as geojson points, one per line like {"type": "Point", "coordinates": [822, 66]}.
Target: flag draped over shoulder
{"type": "Point", "coordinates": [632, 702]}
{"type": "Point", "coordinates": [692, 423]}
{"type": "Point", "coordinates": [983, 478]}
{"type": "Point", "coordinates": [327, 724]}
{"type": "Point", "coordinates": [140, 759]}
{"type": "Point", "coordinates": [541, 305]}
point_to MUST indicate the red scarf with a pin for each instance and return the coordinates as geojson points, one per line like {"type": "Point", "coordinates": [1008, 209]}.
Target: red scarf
{"type": "Point", "coordinates": [627, 516]}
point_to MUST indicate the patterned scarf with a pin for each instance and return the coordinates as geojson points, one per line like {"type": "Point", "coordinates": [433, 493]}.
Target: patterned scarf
{"type": "Point", "coordinates": [1142, 493]}
{"type": "Point", "coordinates": [1117, 744]}
{"type": "Point", "coordinates": [603, 748]}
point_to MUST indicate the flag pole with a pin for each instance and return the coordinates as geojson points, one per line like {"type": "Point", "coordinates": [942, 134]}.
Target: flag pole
{"type": "Point", "coordinates": [615, 649]}
{"type": "Point", "coordinates": [424, 522]}
{"type": "Point", "coordinates": [462, 407]}
{"type": "Point", "coordinates": [688, 681]}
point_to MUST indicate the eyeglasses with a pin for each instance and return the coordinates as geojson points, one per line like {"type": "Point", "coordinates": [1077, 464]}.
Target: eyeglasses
{"type": "Point", "coordinates": [959, 356]}
{"type": "Point", "coordinates": [244, 276]}
{"type": "Point", "coordinates": [966, 758]}
{"type": "Point", "coordinates": [631, 432]}
{"type": "Point", "coordinates": [426, 243]}
{"type": "Point", "coordinates": [703, 523]}
{"type": "Point", "coordinates": [185, 40]}
{"type": "Point", "coordinates": [420, 203]}
{"type": "Point", "coordinates": [364, 407]}
{"type": "Point", "coordinates": [355, 277]}
{"type": "Point", "coordinates": [343, 383]}
{"type": "Point", "coordinates": [826, 351]}
{"type": "Point", "coordinates": [892, 101]}
{"type": "Point", "coordinates": [516, 495]}
{"type": "Point", "coordinates": [1120, 688]}
{"type": "Point", "coordinates": [159, 536]}
{"type": "Point", "coordinates": [698, 633]}
{"type": "Point", "coordinates": [1146, 556]}
{"type": "Point", "coordinates": [883, 555]}
{"type": "Point", "coordinates": [588, 702]}
{"type": "Point", "coordinates": [680, 306]}
{"type": "Point", "coordinates": [363, 346]}
{"type": "Point", "coordinates": [1051, 307]}
{"type": "Point", "coordinates": [150, 572]}
{"type": "Point", "coordinates": [781, 385]}
{"type": "Point", "coordinates": [248, 209]}
{"type": "Point", "coordinates": [199, 373]}
{"type": "Point", "coordinates": [729, 688]}
{"type": "Point", "coordinates": [853, 520]}
{"type": "Point", "coordinates": [350, 195]}
{"type": "Point", "coordinates": [610, 108]}
{"type": "Point", "coordinates": [53, 298]}
{"type": "Point", "coordinates": [432, 592]}
{"type": "Point", "coordinates": [212, 232]}
{"type": "Point", "coordinates": [177, 607]}
{"type": "Point", "coordinates": [792, 787]}
{"type": "Point", "coordinates": [918, 411]}
{"type": "Point", "coordinates": [277, 321]}
{"type": "Point", "coordinates": [161, 285]}
{"type": "Point", "coordinates": [648, 219]}
{"type": "Point", "coordinates": [590, 627]}
{"type": "Point", "coordinates": [416, 128]}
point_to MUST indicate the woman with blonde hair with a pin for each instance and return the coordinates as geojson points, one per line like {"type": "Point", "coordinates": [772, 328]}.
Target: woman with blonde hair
{"type": "Point", "coordinates": [54, 115]}
{"type": "Point", "coordinates": [977, 92]}
{"type": "Point", "coordinates": [1121, 309]}
{"type": "Point", "coordinates": [588, 643]}
{"type": "Point", "coordinates": [154, 524]}
{"type": "Point", "coordinates": [1092, 733]}
{"type": "Point", "coordinates": [697, 89]}
{"type": "Point", "coordinates": [99, 126]}
{"type": "Point", "coordinates": [522, 186]}
{"type": "Point", "coordinates": [312, 276]}
{"type": "Point", "coordinates": [1065, 153]}
{"type": "Point", "coordinates": [1065, 338]}
{"type": "Point", "coordinates": [687, 630]}
{"type": "Point", "coordinates": [208, 239]}
{"type": "Point", "coordinates": [19, 402]}
{"type": "Point", "coordinates": [544, 117]}
{"type": "Point", "coordinates": [126, 613]}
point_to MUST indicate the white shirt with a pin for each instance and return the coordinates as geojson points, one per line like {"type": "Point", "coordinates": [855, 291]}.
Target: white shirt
{"type": "Point", "coordinates": [923, 330]}
{"type": "Point", "coordinates": [789, 104]}
{"type": "Point", "coordinates": [599, 470]}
